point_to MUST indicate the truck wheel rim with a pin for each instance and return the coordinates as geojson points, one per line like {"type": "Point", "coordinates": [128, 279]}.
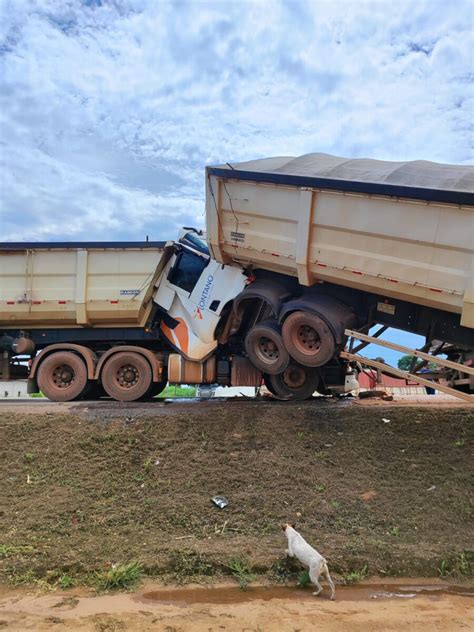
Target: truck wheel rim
{"type": "Point", "coordinates": [294, 377]}
{"type": "Point", "coordinates": [307, 339]}
{"type": "Point", "coordinates": [267, 349]}
{"type": "Point", "coordinates": [63, 376]}
{"type": "Point", "coordinates": [127, 376]}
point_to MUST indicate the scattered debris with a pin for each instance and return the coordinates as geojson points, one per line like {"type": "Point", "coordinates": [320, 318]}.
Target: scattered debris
{"type": "Point", "coordinates": [157, 462]}
{"type": "Point", "coordinates": [373, 394]}
{"type": "Point", "coordinates": [220, 501]}
{"type": "Point", "coordinates": [386, 421]}
{"type": "Point", "coordinates": [430, 489]}
{"type": "Point", "coordinates": [369, 495]}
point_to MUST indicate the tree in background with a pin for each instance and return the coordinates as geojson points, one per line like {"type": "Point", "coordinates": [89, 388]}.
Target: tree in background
{"type": "Point", "coordinates": [404, 362]}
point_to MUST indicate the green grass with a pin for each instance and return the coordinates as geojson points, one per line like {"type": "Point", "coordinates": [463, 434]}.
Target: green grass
{"type": "Point", "coordinates": [7, 550]}
{"type": "Point", "coordinates": [178, 391]}
{"type": "Point", "coordinates": [240, 571]}
{"type": "Point", "coordinates": [459, 566]}
{"type": "Point", "coordinates": [186, 564]}
{"type": "Point", "coordinates": [28, 577]}
{"type": "Point", "coordinates": [303, 579]}
{"type": "Point", "coordinates": [120, 576]}
{"type": "Point", "coordinates": [66, 581]}
{"type": "Point", "coordinates": [355, 576]}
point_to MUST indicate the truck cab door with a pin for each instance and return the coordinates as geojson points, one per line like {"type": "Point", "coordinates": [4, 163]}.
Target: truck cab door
{"type": "Point", "coordinates": [195, 290]}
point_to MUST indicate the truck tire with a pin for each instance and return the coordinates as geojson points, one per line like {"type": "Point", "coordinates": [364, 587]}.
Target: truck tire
{"type": "Point", "coordinates": [308, 339]}
{"type": "Point", "coordinates": [265, 347]}
{"type": "Point", "coordinates": [126, 376]}
{"type": "Point", "coordinates": [155, 389]}
{"type": "Point", "coordinates": [296, 382]}
{"type": "Point", "coordinates": [62, 376]}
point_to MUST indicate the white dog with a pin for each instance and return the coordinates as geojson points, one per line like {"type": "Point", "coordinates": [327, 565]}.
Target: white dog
{"type": "Point", "coordinates": [299, 548]}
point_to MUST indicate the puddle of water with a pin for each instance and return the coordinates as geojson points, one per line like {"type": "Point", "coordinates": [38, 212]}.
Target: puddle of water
{"type": "Point", "coordinates": [383, 594]}
{"type": "Point", "coordinates": [460, 591]}
{"type": "Point", "coordinates": [224, 595]}
{"type": "Point", "coordinates": [234, 595]}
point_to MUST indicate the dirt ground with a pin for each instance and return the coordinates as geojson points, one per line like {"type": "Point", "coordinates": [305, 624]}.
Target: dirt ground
{"type": "Point", "coordinates": [380, 490]}
{"type": "Point", "coordinates": [367, 607]}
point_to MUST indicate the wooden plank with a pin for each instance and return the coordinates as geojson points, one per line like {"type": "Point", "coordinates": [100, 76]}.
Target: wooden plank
{"type": "Point", "coordinates": [413, 352]}
{"type": "Point", "coordinates": [362, 345]}
{"type": "Point", "coordinates": [407, 376]}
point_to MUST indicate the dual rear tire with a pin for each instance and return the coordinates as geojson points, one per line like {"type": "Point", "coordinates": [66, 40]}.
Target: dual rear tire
{"type": "Point", "coordinates": [308, 339]}
{"type": "Point", "coordinates": [266, 349]}
{"type": "Point", "coordinates": [126, 376]}
{"type": "Point", "coordinates": [305, 337]}
{"type": "Point", "coordinates": [62, 376]}
{"type": "Point", "coordinates": [289, 356]}
{"type": "Point", "coordinates": [296, 382]}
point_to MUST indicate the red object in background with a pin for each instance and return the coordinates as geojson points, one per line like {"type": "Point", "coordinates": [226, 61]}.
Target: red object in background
{"type": "Point", "coordinates": [369, 381]}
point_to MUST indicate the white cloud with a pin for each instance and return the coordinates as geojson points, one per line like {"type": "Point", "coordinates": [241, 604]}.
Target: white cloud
{"type": "Point", "coordinates": [110, 110]}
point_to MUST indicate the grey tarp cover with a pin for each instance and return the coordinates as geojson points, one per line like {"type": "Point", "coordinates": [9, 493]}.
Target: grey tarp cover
{"type": "Point", "coordinates": [390, 177]}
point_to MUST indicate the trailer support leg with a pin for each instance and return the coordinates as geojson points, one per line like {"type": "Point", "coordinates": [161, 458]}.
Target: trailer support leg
{"type": "Point", "coordinates": [5, 366]}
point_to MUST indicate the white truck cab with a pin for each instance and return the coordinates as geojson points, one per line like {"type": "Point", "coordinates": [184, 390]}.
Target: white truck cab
{"type": "Point", "coordinates": [194, 289]}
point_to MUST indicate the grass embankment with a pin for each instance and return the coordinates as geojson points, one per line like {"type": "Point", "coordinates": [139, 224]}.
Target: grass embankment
{"type": "Point", "coordinates": [103, 503]}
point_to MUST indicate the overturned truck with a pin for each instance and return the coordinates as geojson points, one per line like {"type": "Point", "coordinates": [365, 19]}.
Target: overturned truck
{"type": "Point", "coordinates": [297, 252]}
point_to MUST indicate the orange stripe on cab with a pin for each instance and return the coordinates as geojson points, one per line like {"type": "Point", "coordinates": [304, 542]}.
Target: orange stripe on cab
{"type": "Point", "coordinates": [178, 336]}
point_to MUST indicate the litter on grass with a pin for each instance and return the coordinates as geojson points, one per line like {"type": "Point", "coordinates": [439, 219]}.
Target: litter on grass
{"type": "Point", "coordinates": [220, 501]}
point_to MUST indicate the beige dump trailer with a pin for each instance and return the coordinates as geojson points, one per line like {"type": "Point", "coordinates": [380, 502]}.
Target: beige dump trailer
{"type": "Point", "coordinates": [401, 229]}
{"type": "Point", "coordinates": [366, 242]}
{"type": "Point", "coordinates": [66, 285]}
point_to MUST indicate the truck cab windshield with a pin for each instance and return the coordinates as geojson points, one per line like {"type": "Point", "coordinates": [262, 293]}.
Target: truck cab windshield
{"type": "Point", "coordinates": [191, 239]}
{"type": "Point", "coordinates": [186, 271]}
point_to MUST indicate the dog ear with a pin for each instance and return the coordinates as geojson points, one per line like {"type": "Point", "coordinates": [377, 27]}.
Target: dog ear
{"type": "Point", "coordinates": [283, 526]}
{"type": "Point", "coordinates": [293, 526]}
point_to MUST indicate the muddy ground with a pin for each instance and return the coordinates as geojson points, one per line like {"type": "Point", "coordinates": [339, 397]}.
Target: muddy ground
{"type": "Point", "coordinates": [368, 607]}
{"type": "Point", "coordinates": [94, 486]}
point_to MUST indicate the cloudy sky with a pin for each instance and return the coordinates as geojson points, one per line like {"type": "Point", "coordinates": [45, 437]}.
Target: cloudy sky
{"type": "Point", "coordinates": [111, 109]}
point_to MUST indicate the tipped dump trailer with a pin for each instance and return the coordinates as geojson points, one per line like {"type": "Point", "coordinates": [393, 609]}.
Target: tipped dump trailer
{"type": "Point", "coordinates": [400, 229]}
{"type": "Point", "coordinates": [367, 242]}
{"type": "Point", "coordinates": [301, 253]}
